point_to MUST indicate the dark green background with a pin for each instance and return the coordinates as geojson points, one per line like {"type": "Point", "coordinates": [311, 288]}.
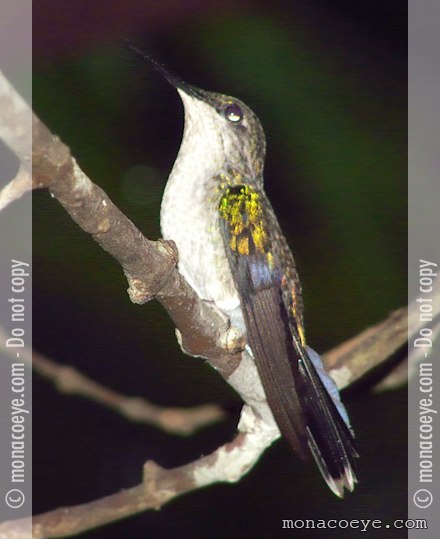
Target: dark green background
{"type": "Point", "coordinates": [329, 85]}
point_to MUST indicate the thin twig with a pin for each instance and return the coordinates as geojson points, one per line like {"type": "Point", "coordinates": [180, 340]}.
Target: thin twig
{"type": "Point", "coordinates": [16, 133]}
{"type": "Point", "coordinates": [68, 380]}
{"type": "Point", "coordinates": [15, 121]}
{"type": "Point", "coordinates": [16, 188]}
{"type": "Point", "coordinates": [357, 356]}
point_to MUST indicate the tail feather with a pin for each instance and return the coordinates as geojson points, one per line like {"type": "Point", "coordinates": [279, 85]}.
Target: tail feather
{"type": "Point", "coordinates": [307, 409]}
{"type": "Point", "coordinates": [337, 483]}
{"type": "Point", "coordinates": [330, 438]}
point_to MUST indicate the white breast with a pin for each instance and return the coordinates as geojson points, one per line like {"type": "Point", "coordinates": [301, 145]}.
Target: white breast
{"type": "Point", "coordinates": [189, 216]}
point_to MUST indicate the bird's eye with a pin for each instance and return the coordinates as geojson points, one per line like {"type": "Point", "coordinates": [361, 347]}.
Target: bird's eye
{"type": "Point", "coordinates": [233, 113]}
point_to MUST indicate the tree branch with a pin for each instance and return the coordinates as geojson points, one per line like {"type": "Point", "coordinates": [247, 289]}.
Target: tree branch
{"type": "Point", "coordinates": [15, 132]}
{"type": "Point", "coordinates": [15, 123]}
{"type": "Point", "coordinates": [16, 188]}
{"type": "Point", "coordinates": [68, 380]}
{"type": "Point", "coordinates": [356, 357]}
{"type": "Point", "coordinates": [228, 463]}
{"type": "Point", "coordinates": [150, 267]}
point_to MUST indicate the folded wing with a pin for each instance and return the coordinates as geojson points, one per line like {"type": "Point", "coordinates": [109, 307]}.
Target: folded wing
{"type": "Point", "coordinates": [265, 277]}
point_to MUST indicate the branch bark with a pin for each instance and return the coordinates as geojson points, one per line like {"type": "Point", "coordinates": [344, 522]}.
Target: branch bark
{"type": "Point", "coordinates": [15, 132]}
{"type": "Point", "coordinates": [68, 380]}
{"type": "Point", "coordinates": [150, 267]}
{"type": "Point", "coordinates": [158, 487]}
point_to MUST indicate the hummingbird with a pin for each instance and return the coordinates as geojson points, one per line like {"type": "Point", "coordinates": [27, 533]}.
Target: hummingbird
{"type": "Point", "coordinates": [234, 254]}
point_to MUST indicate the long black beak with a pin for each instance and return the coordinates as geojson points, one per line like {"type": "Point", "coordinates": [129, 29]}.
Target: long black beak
{"type": "Point", "coordinates": [176, 82]}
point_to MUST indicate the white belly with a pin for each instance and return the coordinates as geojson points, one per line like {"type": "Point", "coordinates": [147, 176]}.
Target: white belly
{"type": "Point", "coordinates": [192, 223]}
